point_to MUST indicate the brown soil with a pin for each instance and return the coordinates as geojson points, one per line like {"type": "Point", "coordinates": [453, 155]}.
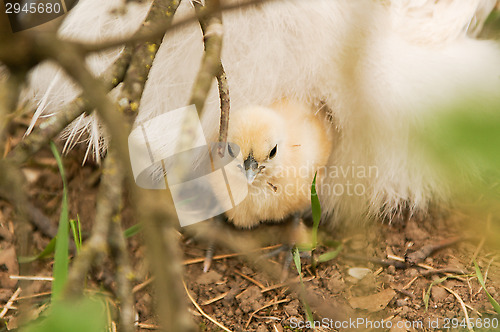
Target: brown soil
{"type": "Point", "coordinates": [241, 297]}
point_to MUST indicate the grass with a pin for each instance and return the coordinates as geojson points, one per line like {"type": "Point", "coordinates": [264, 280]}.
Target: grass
{"type": "Point", "coordinates": [45, 253]}
{"type": "Point", "coordinates": [76, 230]}
{"type": "Point", "coordinates": [78, 315]}
{"type": "Point", "coordinates": [132, 230]}
{"type": "Point", "coordinates": [427, 294]}
{"type": "Point", "coordinates": [316, 215]}
{"type": "Point", "coordinates": [480, 278]}
{"type": "Point", "coordinates": [82, 315]}
{"type": "Point", "coordinates": [298, 266]}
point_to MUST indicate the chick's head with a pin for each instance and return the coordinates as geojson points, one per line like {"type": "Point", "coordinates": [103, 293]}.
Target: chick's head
{"type": "Point", "coordinates": [260, 133]}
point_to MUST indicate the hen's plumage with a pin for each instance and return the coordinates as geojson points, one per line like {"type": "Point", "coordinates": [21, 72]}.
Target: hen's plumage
{"type": "Point", "coordinates": [378, 67]}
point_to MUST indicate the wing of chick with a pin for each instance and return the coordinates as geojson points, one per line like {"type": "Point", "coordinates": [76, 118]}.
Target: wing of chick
{"type": "Point", "coordinates": [282, 146]}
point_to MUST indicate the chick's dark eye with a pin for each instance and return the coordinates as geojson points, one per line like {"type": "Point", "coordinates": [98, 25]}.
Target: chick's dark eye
{"type": "Point", "coordinates": [273, 152]}
{"type": "Point", "coordinates": [230, 150]}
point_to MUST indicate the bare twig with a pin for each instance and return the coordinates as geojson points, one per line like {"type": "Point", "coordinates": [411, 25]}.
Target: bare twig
{"type": "Point", "coordinates": [32, 278]}
{"type": "Point", "coordinates": [203, 312]}
{"type": "Point", "coordinates": [224, 108]}
{"type": "Point", "coordinates": [210, 64]}
{"type": "Point", "coordinates": [252, 280]}
{"type": "Point", "coordinates": [159, 29]}
{"type": "Point", "coordinates": [424, 252]}
{"type": "Point", "coordinates": [96, 246]}
{"type": "Point", "coordinates": [264, 307]}
{"type": "Point", "coordinates": [10, 302]}
{"type": "Point", "coordinates": [123, 273]}
{"type": "Point", "coordinates": [379, 261]}
{"type": "Point", "coordinates": [156, 210]}
{"type": "Point", "coordinates": [148, 326]}
{"type": "Point", "coordinates": [12, 180]}
{"type": "Point", "coordinates": [145, 52]}
{"type": "Point", "coordinates": [201, 260]}
{"type": "Point", "coordinates": [9, 93]}
{"type": "Point", "coordinates": [462, 305]}
{"type": "Point", "coordinates": [12, 188]}
{"type": "Point", "coordinates": [211, 26]}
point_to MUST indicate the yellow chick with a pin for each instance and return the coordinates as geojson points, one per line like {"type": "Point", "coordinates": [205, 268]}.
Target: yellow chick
{"type": "Point", "coordinates": [282, 147]}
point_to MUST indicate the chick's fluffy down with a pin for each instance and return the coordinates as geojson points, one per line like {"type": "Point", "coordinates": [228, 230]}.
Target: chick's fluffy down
{"type": "Point", "coordinates": [301, 144]}
{"type": "Point", "coordinates": [379, 67]}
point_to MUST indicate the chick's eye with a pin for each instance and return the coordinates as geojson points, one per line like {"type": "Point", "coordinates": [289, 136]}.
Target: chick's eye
{"type": "Point", "coordinates": [230, 150]}
{"type": "Point", "coordinates": [273, 152]}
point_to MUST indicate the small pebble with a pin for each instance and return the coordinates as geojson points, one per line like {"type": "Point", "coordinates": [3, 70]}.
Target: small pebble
{"type": "Point", "coordinates": [438, 294]}
{"type": "Point", "coordinates": [388, 279]}
{"type": "Point", "coordinates": [401, 302]}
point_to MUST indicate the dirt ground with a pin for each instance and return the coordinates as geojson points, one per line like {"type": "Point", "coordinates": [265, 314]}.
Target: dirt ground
{"type": "Point", "coordinates": [358, 290]}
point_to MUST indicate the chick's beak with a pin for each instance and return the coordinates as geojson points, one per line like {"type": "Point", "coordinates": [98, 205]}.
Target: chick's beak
{"type": "Point", "coordinates": [251, 168]}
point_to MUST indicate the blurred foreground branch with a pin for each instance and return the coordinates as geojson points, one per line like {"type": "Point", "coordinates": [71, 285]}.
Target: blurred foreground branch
{"type": "Point", "coordinates": [153, 209]}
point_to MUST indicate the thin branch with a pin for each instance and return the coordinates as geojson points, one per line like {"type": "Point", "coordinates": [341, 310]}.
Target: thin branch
{"type": "Point", "coordinates": [96, 247]}
{"type": "Point", "coordinates": [158, 215]}
{"type": "Point", "coordinates": [210, 64]}
{"type": "Point", "coordinates": [159, 29]}
{"type": "Point", "coordinates": [424, 252]}
{"type": "Point", "coordinates": [155, 209]}
{"type": "Point", "coordinates": [197, 306]}
{"type": "Point", "coordinates": [145, 52]}
{"type": "Point", "coordinates": [224, 108]}
{"type": "Point", "coordinates": [123, 271]}
{"type": "Point", "coordinates": [9, 94]}
{"type": "Point", "coordinates": [11, 301]}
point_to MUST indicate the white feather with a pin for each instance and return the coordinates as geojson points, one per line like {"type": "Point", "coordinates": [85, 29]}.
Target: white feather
{"type": "Point", "coordinates": [50, 88]}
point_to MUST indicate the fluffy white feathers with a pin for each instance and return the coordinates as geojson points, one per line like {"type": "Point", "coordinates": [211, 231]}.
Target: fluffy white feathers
{"type": "Point", "coordinates": [50, 87]}
{"type": "Point", "coordinates": [378, 66]}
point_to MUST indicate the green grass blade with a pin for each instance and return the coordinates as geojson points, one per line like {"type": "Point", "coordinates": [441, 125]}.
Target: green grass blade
{"type": "Point", "coordinates": [61, 259]}
{"type": "Point", "coordinates": [316, 212]}
{"type": "Point", "coordinates": [84, 315]}
{"type": "Point", "coordinates": [330, 255]}
{"type": "Point", "coordinates": [427, 295]}
{"type": "Point", "coordinates": [72, 223]}
{"type": "Point", "coordinates": [479, 275]}
{"type": "Point", "coordinates": [298, 266]}
{"type": "Point", "coordinates": [132, 230]}
{"type": "Point", "coordinates": [76, 230]}
{"type": "Point", "coordinates": [296, 260]}
{"type": "Point", "coordinates": [46, 252]}
{"type": "Point", "coordinates": [79, 231]}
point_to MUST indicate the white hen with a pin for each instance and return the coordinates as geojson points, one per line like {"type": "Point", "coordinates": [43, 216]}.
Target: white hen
{"type": "Point", "coordinates": [378, 66]}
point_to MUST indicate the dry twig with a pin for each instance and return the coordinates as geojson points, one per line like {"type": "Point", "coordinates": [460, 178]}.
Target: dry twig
{"type": "Point", "coordinates": [96, 247]}
{"type": "Point", "coordinates": [203, 312]}
{"type": "Point", "coordinates": [11, 301]}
